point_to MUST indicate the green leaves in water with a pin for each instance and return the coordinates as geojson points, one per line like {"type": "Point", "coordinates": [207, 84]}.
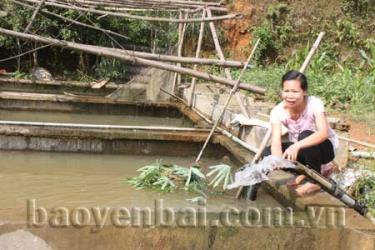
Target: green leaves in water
{"type": "Point", "coordinates": [169, 177]}
{"type": "Point", "coordinates": [166, 177]}
{"type": "Point", "coordinates": [223, 174]}
{"type": "Point", "coordinates": [364, 191]}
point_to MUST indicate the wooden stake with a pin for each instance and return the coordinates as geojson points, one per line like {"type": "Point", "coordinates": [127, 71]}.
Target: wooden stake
{"type": "Point", "coordinates": [233, 90]}
{"type": "Point", "coordinates": [221, 57]}
{"type": "Point", "coordinates": [181, 36]}
{"type": "Point", "coordinates": [197, 52]}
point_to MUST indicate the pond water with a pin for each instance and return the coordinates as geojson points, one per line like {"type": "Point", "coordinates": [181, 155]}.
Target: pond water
{"type": "Point", "coordinates": [92, 118]}
{"type": "Point", "coordinates": [77, 179]}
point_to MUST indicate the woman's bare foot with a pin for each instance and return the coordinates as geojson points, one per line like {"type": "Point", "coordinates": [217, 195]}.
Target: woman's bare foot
{"type": "Point", "coordinates": [296, 181]}
{"type": "Point", "coordinates": [328, 169]}
{"type": "Point", "coordinates": [307, 188]}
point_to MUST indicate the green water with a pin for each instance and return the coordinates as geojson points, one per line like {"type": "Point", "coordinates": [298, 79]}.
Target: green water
{"type": "Point", "coordinates": [76, 179]}
{"type": "Point", "coordinates": [92, 118]}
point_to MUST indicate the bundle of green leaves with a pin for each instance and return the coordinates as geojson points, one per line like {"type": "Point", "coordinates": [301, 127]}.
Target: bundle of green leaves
{"type": "Point", "coordinates": [169, 177]}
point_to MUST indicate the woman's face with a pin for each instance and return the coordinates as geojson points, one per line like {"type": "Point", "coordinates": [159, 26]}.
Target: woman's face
{"type": "Point", "coordinates": [292, 94]}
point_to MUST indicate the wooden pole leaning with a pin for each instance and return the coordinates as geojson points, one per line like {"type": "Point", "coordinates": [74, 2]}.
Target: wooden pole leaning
{"type": "Point", "coordinates": [182, 31]}
{"type": "Point", "coordinates": [268, 135]}
{"type": "Point", "coordinates": [197, 53]}
{"type": "Point", "coordinates": [222, 58]}
{"type": "Point", "coordinates": [233, 90]}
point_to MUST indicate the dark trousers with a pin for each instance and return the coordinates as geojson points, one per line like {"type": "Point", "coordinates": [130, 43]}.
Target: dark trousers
{"type": "Point", "coordinates": [313, 156]}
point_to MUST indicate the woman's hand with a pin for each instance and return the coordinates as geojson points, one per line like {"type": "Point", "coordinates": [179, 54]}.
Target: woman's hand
{"type": "Point", "coordinates": [291, 152]}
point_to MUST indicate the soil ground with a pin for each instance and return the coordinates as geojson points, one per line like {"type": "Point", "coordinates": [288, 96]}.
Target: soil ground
{"type": "Point", "coordinates": [239, 37]}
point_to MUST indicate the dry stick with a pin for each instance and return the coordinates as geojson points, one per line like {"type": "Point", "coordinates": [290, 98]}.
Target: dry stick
{"type": "Point", "coordinates": [152, 4]}
{"type": "Point", "coordinates": [37, 9]}
{"type": "Point", "coordinates": [180, 49]}
{"type": "Point", "coordinates": [221, 57]}
{"type": "Point", "coordinates": [156, 2]}
{"type": "Point", "coordinates": [165, 9]}
{"type": "Point", "coordinates": [96, 50]}
{"type": "Point", "coordinates": [197, 52]}
{"type": "Point", "coordinates": [144, 18]}
{"type": "Point", "coordinates": [71, 20]}
{"type": "Point", "coordinates": [267, 137]}
{"type": "Point", "coordinates": [233, 90]}
{"type": "Point", "coordinates": [149, 2]}
{"type": "Point", "coordinates": [362, 143]}
{"type": "Point", "coordinates": [130, 6]}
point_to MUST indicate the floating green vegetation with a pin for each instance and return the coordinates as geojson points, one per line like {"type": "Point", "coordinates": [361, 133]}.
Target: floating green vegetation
{"type": "Point", "coordinates": [170, 177]}
{"type": "Point", "coordinates": [364, 191]}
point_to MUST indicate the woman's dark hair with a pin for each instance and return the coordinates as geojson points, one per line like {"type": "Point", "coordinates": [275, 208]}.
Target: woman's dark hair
{"type": "Point", "coordinates": [295, 75]}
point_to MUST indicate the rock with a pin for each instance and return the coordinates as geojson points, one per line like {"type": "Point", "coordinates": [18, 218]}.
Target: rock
{"type": "Point", "coordinates": [20, 240]}
{"type": "Point", "coordinates": [40, 73]}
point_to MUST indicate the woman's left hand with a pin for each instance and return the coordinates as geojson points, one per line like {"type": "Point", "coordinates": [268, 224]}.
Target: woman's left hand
{"type": "Point", "coordinates": [291, 152]}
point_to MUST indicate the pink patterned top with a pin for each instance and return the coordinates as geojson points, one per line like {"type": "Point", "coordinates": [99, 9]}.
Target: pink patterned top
{"type": "Point", "coordinates": [305, 122]}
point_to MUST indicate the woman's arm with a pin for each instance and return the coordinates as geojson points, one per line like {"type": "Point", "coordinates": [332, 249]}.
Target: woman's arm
{"type": "Point", "coordinates": [314, 139]}
{"type": "Point", "coordinates": [276, 139]}
{"type": "Point", "coordinates": [320, 135]}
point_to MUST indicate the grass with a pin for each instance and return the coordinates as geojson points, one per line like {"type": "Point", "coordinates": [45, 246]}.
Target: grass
{"type": "Point", "coordinates": [347, 90]}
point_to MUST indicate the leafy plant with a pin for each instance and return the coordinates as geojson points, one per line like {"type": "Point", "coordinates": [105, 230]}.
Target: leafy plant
{"type": "Point", "coordinates": [223, 174]}
{"type": "Point", "coordinates": [364, 191]}
{"type": "Point", "coordinates": [169, 177]}
{"type": "Point", "coordinates": [166, 177]}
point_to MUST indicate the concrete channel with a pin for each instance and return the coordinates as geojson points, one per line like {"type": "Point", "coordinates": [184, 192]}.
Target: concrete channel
{"type": "Point", "coordinates": [348, 230]}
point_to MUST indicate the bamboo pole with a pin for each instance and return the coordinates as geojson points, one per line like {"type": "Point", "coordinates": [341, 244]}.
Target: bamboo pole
{"type": "Point", "coordinates": [101, 126]}
{"type": "Point", "coordinates": [185, 60]}
{"type": "Point", "coordinates": [144, 18]}
{"type": "Point", "coordinates": [149, 2]}
{"type": "Point", "coordinates": [36, 11]}
{"type": "Point", "coordinates": [268, 135]}
{"type": "Point", "coordinates": [180, 49]}
{"type": "Point", "coordinates": [165, 8]}
{"type": "Point", "coordinates": [181, 35]}
{"type": "Point", "coordinates": [100, 51]}
{"type": "Point", "coordinates": [362, 143]}
{"type": "Point", "coordinates": [197, 53]}
{"type": "Point", "coordinates": [135, 6]}
{"type": "Point", "coordinates": [222, 57]}
{"type": "Point", "coordinates": [233, 90]}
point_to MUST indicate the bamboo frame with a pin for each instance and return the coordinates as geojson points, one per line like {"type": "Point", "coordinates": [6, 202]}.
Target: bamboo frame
{"type": "Point", "coordinates": [100, 51]}
{"type": "Point", "coordinates": [144, 18]}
